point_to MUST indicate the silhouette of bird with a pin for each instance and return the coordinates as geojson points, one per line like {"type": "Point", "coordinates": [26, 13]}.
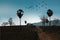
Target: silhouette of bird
{"type": "Point", "coordinates": [29, 7]}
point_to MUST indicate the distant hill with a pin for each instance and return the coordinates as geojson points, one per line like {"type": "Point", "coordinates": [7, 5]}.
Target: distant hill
{"type": "Point", "coordinates": [53, 23]}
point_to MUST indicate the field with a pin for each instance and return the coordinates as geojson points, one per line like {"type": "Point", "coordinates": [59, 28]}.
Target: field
{"type": "Point", "coordinates": [29, 32]}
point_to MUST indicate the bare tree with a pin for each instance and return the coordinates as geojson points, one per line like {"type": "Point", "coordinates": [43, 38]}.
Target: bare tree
{"type": "Point", "coordinates": [44, 20]}
{"type": "Point", "coordinates": [47, 20]}
{"type": "Point", "coordinates": [10, 21]}
{"type": "Point", "coordinates": [5, 23]}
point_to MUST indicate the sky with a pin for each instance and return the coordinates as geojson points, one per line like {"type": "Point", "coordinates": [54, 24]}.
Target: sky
{"type": "Point", "coordinates": [33, 10]}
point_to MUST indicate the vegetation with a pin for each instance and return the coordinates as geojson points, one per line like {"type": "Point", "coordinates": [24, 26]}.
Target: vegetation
{"type": "Point", "coordinates": [29, 31]}
{"type": "Point", "coordinates": [20, 14]}
{"type": "Point", "coordinates": [25, 22]}
{"type": "Point", "coordinates": [44, 20]}
{"type": "Point", "coordinates": [18, 33]}
{"type": "Point", "coordinates": [49, 13]}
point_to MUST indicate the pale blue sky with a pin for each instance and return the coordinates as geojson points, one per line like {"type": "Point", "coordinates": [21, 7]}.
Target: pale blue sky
{"type": "Point", "coordinates": [32, 9]}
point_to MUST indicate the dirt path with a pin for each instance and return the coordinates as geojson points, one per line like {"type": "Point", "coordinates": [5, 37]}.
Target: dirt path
{"type": "Point", "coordinates": [42, 35]}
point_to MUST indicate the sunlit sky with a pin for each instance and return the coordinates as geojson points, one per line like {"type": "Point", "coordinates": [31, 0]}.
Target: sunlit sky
{"type": "Point", "coordinates": [33, 10]}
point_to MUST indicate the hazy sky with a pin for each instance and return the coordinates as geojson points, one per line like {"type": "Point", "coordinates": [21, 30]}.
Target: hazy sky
{"type": "Point", "coordinates": [33, 9]}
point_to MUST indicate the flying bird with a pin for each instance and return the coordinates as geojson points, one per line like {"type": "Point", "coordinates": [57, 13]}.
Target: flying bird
{"type": "Point", "coordinates": [29, 7]}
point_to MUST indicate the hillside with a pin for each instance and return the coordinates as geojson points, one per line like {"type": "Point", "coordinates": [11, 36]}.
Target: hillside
{"type": "Point", "coordinates": [29, 32]}
{"type": "Point", "coordinates": [17, 33]}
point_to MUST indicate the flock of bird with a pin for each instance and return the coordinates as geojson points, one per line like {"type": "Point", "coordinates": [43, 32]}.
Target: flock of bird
{"type": "Point", "coordinates": [38, 6]}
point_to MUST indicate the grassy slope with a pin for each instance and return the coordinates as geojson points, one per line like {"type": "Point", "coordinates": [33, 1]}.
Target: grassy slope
{"type": "Point", "coordinates": [30, 33]}
{"type": "Point", "coordinates": [18, 33]}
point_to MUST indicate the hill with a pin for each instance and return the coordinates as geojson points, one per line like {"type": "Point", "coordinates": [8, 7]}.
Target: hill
{"type": "Point", "coordinates": [30, 32]}
{"type": "Point", "coordinates": [17, 33]}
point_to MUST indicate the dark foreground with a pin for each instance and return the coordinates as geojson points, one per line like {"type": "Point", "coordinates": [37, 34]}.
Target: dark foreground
{"type": "Point", "coordinates": [29, 33]}
{"type": "Point", "coordinates": [17, 33]}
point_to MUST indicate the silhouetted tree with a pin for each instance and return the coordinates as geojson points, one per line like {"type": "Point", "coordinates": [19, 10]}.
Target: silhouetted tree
{"type": "Point", "coordinates": [20, 14]}
{"type": "Point", "coordinates": [47, 20]}
{"type": "Point", "coordinates": [44, 20]}
{"type": "Point", "coordinates": [5, 23]}
{"type": "Point", "coordinates": [25, 22]}
{"type": "Point", "coordinates": [55, 21]}
{"type": "Point", "coordinates": [49, 13]}
{"type": "Point", "coordinates": [10, 21]}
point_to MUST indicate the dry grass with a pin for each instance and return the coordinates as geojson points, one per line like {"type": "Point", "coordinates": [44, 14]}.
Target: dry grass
{"type": "Point", "coordinates": [30, 33]}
